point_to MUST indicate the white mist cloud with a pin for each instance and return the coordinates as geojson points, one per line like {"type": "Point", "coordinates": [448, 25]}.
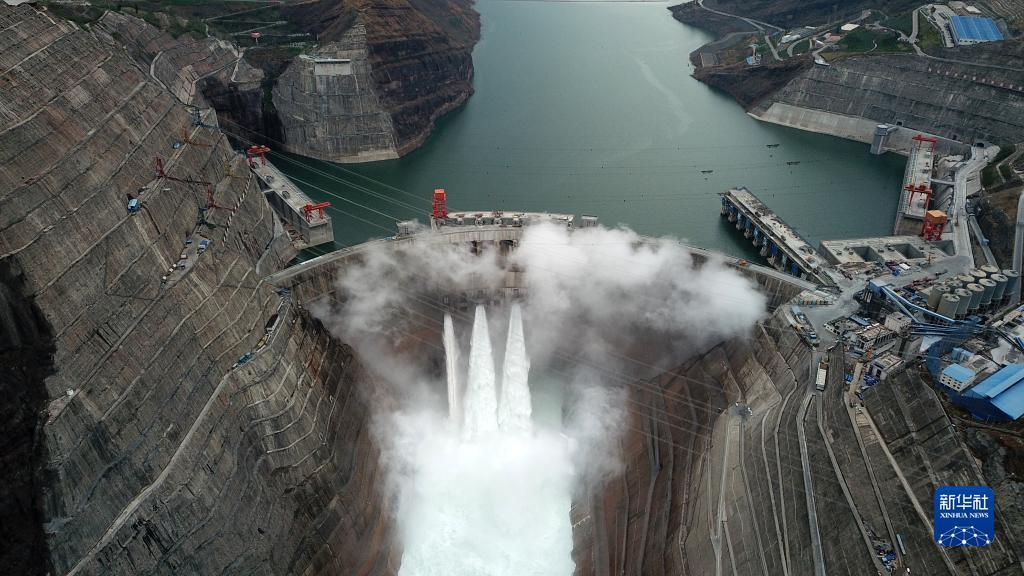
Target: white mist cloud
{"type": "Point", "coordinates": [612, 282]}
{"type": "Point", "coordinates": [498, 504]}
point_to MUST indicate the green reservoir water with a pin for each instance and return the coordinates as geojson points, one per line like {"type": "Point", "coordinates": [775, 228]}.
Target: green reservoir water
{"type": "Point", "coordinates": [589, 108]}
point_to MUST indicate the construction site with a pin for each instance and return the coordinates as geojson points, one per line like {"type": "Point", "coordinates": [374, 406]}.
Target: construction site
{"type": "Point", "coordinates": [192, 399]}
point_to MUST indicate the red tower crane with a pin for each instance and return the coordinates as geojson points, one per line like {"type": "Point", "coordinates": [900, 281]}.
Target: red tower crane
{"type": "Point", "coordinates": [440, 204]}
{"type": "Point", "coordinates": [308, 210]}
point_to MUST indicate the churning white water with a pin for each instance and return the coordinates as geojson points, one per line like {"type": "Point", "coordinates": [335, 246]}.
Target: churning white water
{"type": "Point", "coordinates": [490, 500]}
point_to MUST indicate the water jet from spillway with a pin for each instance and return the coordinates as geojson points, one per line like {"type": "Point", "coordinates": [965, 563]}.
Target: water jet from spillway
{"type": "Point", "coordinates": [514, 409]}
{"type": "Point", "coordinates": [451, 357]}
{"type": "Point", "coordinates": [481, 403]}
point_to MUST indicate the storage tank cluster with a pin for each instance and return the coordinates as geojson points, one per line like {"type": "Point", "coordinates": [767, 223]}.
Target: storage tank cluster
{"type": "Point", "coordinates": [978, 290]}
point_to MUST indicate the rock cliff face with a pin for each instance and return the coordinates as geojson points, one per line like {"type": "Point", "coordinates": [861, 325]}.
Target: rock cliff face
{"type": "Point", "coordinates": [329, 107]}
{"type": "Point", "coordinates": [420, 57]}
{"type": "Point", "coordinates": [142, 448]}
{"type": "Point", "coordinates": [26, 359]}
{"type": "Point", "coordinates": [751, 85]}
{"type": "Point", "coordinates": [691, 13]}
{"type": "Point", "coordinates": [409, 62]}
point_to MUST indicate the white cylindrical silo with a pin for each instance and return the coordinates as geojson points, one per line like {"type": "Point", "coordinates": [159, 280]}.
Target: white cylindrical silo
{"type": "Point", "coordinates": [976, 291]}
{"type": "Point", "coordinates": [978, 274]}
{"type": "Point", "coordinates": [965, 300]}
{"type": "Point", "coordinates": [990, 288]}
{"type": "Point", "coordinates": [1011, 284]}
{"type": "Point", "coordinates": [965, 279]}
{"type": "Point", "coordinates": [990, 270]}
{"type": "Point", "coordinates": [1001, 282]}
{"type": "Point", "coordinates": [948, 305]}
{"type": "Point", "coordinates": [935, 295]}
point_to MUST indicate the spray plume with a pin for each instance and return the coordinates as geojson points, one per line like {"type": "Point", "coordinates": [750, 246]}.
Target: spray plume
{"type": "Point", "coordinates": [482, 487]}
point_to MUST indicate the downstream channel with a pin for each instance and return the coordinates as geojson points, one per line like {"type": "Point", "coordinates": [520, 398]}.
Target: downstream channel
{"type": "Point", "coordinates": [589, 108]}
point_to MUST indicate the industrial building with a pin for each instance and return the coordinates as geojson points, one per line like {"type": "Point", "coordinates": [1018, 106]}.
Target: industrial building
{"type": "Point", "coordinates": [885, 365]}
{"type": "Point", "coordinates": [1000, 397]}
{"type": "Point", "coordinates": [898, 322]}
{"type": "Point", "coordinates": [874, 337]}
{"type": "Point", "coordinates": [957, 377]}
{"type": "Point", "coordinates": [973, 30]}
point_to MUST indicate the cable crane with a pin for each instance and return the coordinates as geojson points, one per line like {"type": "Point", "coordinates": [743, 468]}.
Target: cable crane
{"type": "Point", "coordinates": [210, 202]}
{"type": "Point", "coordinates": [189, 140]}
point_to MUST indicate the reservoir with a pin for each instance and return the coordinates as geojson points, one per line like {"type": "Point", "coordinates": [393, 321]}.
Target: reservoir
{"type": "Point", "coordinates": [589, 108]}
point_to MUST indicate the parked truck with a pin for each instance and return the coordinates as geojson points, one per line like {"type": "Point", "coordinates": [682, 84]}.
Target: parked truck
{"type": "Point", "coordinates": [822, 377]}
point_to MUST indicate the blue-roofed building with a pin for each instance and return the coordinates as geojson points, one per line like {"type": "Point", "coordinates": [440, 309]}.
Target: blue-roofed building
{"type": "Point", "coordinates": [957, 377]}
{"type": "Point", "coordinates": [1000, 397]}
{"type": "Point", "coordinates": [974, 29]}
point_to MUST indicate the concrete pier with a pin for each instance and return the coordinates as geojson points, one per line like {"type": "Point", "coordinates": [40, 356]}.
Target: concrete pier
{"type": "Point", "coordinates": [882, 132]}
{"type": "Point", "coordinates": [779, 243]}
{"type": "Point", "coordinates": [288, 202]}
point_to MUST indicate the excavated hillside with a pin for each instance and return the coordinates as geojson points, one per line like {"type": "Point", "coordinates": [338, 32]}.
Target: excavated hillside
{"type": "Point", "coordinates": [733, 466]}
{"type": "Point", "coordinates": [135, 442]}
{"type": "Point", "coordinates": [966, 94]}
{"type": "Point", "coordinates": [409, 62]}
{"type": "Point", "coordinates": [955, 100]}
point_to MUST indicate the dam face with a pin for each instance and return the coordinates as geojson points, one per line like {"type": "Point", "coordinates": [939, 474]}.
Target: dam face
{"type": "Point", "coordinates": [664, 410]}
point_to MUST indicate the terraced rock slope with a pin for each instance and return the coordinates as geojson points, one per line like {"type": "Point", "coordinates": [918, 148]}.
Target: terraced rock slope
{"type": "Point", "coordinates": [147, 450]}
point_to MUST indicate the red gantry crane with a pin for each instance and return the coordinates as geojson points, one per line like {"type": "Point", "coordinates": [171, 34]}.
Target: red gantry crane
{"type": "Point", "coordinates": [309, 209]}
{"type": "Point", "coordinates": [257, 150]}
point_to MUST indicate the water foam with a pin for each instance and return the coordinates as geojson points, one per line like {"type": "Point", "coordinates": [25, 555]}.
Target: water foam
{"type": "Point", "coordinates": [490, 500]}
